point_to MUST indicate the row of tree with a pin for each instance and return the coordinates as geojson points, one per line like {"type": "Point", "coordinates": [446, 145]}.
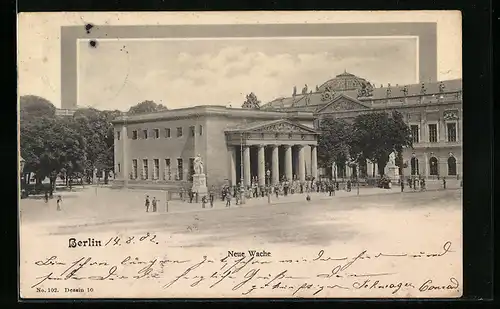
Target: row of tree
{"type": "Point", "coordinates": [372, 136]}
{"type": "Point", "coordinates": [72, 146]}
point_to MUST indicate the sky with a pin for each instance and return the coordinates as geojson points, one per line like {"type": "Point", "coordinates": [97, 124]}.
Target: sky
{"type": "Point", "coordinates": [117, 74]}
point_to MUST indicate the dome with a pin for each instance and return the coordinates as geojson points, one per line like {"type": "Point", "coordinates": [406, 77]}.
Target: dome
{"type": "Point", "coordinates": [345, 82]}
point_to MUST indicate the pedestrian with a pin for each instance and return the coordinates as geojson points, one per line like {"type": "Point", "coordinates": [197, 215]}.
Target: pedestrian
{"type": "Point", "coordinates": [181, 194]}
{"type": "Point", "coordinates": [146, 203]}
{"type": "Point", "coordinates": [212, 197]}
{"type": "Point", "coordinates": [46, 197]}
{"type": "Point", "coordinates": [191, 196]}
{"type": "Point", "coordinates": [276, 190]}
{"type": "Point", "coordinates": [308, 197]}
{"type": "Point", "coordinates": [444, 183]}
{"type": "Point", "coordinates": [203, 201]}
{"type": "Point", "coordinates": [228, 200]}
{"type": "Point", "coordinates": [402, 186]}
{"type": "Point", "coordinates": [59, 202]}
{"type": "Point", "coordinates": [154, 203]}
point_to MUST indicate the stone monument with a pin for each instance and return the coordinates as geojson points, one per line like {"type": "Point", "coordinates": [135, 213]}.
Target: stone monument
{"type": "Point", "coordinates": [199, 178]}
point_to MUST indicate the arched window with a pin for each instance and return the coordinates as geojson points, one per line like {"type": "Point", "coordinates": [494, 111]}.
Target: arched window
{"type": "Point", "coordinates": [414, 166]}
{"type": "Point", "coordinates": [452, 166]}
{"type": "Point", "coordinates": [433, 164]}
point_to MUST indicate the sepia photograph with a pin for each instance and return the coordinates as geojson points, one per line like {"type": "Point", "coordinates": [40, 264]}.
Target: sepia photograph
{"type": "Point", "coordinates": [240, 155]}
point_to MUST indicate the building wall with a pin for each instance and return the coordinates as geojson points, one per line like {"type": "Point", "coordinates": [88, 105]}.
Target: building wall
{"type": "Point", "coordinates": [173, 147]}
{"type": "Point", "coordinates": [423, 115]}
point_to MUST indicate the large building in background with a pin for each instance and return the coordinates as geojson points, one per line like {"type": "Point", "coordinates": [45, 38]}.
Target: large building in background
{"type": "Point", "coordinates": [433, 111]}
{"type": "Point", "coordinates": [237, 145]}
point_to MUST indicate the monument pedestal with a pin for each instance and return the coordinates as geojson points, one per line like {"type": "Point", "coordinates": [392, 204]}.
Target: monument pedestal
{"type": "Point", "coordinates": [200, 184]}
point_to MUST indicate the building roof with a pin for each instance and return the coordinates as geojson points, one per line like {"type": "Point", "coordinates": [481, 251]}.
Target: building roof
{"type": "Point", "coordinates": [344, 82]}
{"type": "Point", "coordinates": [212, 110]}
{"type": "Point", "coordinates": [315, 100]}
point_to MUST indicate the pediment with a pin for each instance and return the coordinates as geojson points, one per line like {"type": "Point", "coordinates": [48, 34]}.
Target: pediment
{"type": "Point", "coordinates": [343, 103]}
{"type": "Point", "coordinates": [284, 127]}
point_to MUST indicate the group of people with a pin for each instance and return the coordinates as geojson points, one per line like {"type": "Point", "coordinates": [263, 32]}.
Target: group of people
{"type": "Point", "coordinates": [285, 187]}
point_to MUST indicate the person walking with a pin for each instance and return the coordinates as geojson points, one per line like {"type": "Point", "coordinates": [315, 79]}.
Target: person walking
{"type": "Point", "coordinates": [203, 201]}
{"type": "Point", "coordinates": [46, 197]}
{"type": "Point", "coordinates": [59, 202]}
{"type": "Point", "coordinates": [212, 197]}
{"type": "Point", "coordinates": [228, 199]}
{"type": "Point", "coordinates": [154, 204]}
{"type": "Point", "coordinates": [146, 203]}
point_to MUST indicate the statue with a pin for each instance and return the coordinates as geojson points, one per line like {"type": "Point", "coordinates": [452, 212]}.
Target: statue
{"type": "Point", "coordinates": [198, 165]}
{"type": "Point", "coordinates": [317, 88]}
{"type": "Point", "coordinates": [251, 102]}
{"type": "Point", "coordinates": [405, 90]}
{"type": "Point", "coordinates": [423, 90]}
{"type": "Point", "coordinates": [294, 91]}
{"type": "Point", "coordinates": [366, 90]}
{"type": "Point", "coordinates": [304, 90]}
{"type": "Point", "coordinates": [441, 87]}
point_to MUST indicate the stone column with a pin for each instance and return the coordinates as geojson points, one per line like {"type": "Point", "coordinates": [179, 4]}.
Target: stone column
{"type": "Point", "coordinates": [275, 166]}
{"type": "Point", "coordinates": [314, 161]}
{"type": "Point", "coordinates": [376, 169]}
{"type": "Point", "coordinates": [426, 163]}
{"type": "Point", "coordinates": [288, 162]}
{"type": "Point", "coordinates": [246, 165]}
{"type": "Point", "coordinates": [301, 164]}
{"type": "Point", "coordinates": [232, 165]}
{"type": "Point", "coordinates": [125, 158]}
{"type": "Point", "coordinates": [261, 165]}
{"type": "Point", "coordinates": [369, 168]}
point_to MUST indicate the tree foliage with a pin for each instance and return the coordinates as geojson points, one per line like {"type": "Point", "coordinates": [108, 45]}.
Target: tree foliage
{"type": "Point", "coordinates": [334, 142]}
{"type": "Point", "coordinates": [32, 107]}
{"type": "Point", "coordinates": [146, 107]}
{"type": "Point", "coordinates": [377, 135]}
{"type": "Point", "coordinates": [74, 145]}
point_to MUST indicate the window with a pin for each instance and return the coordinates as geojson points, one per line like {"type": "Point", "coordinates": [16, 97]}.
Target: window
{"type": "Point", "coordinates": [433, 163]}
{"type": "Point", "coordinates": [414, 166]}
{"type": "Point", "coordinates": [452, 132]}
{"type": "Point", "coordinates": [180, 170]}
{"type": "Point", "coordinates": [145, 169]}
{"type": "Point", "coordinates": [452, 166]}
{"type": "Point", "coordinates": [118, 135]}
{"type": "Point", "coordinates": [192, 130]}
{"type": "Point", "coordinates": [134, 134]}
{"type": "Point", "coordinates": [433, 133]}
{"type": "Point", "coordinates": [201, 129]}
{"type": "Point", "coordinates": [145, 134]}
{"type": "Point", "coordinates": [157, 133]}
{"type": "Point", "coordinates": [414, 133]}
{"type": "Point", "coordinates": [134, 168]}
{"type": "Point", "coordinates": [167, 175]}
{"type": "Point", "coordinates": [156, 171]}
{"type": "Point", "coordinates": [179, 131]}
{"type": "Point", "coordinates": [167, 132]}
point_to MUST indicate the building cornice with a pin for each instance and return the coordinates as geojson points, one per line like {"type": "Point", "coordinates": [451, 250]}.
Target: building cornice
{"type": "Point", "coordinates": [211, 110]}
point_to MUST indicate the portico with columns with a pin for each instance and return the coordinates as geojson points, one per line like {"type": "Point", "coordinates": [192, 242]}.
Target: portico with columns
{"type": "Point", "coordinates": [270, 151]}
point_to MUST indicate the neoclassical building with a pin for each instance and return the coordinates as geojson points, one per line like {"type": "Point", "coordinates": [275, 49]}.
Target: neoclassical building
{"type": "Point", "coordinates": [157, 150]}
{"type": "Point", "coordinates": [279, 139]}
{"type": "Point", "coordinates": [433, 111]}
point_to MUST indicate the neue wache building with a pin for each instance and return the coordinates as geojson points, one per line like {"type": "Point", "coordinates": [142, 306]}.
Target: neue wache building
{"type": "Point", "coordinates": [279, 139]}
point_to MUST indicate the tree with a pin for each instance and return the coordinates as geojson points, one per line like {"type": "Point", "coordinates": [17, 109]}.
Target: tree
{"type": "Point", "coordinates": [146, 107]}
{"type": "Point", "coordinates": [96, 128]}
{"type": "Point", "coordinates": [377, 135]}
{"type": "Point", "coordinates": [32, 107]}
{"type": "Point", "coordinates": [50, 145]}
{"type": "Point", "coordinates": [334, 142]}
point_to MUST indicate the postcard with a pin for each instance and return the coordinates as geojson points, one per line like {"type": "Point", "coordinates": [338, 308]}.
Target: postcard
{"type": "Point", "coordinates": [169, 155]}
